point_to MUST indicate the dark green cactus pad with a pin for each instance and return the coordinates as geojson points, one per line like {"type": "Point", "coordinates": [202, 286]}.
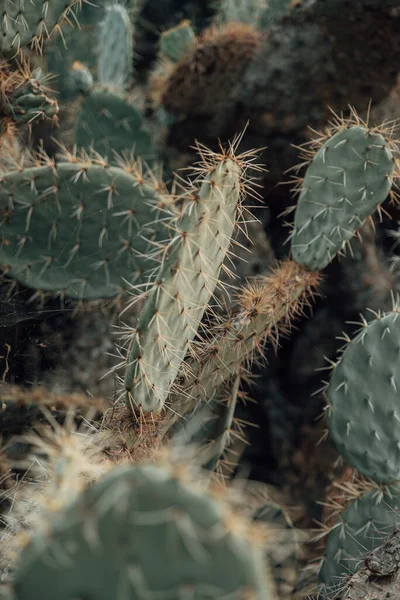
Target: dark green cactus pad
{"type": "Point", "coordinates": [364, 394]}
{"type": "Point", "coordinates": [349, 177]}
{"type": "Point", "coordinates": [30, 22]}
{"type": "Point", "coordinates": [175, 42]}
{"type": "Point", "coordinates": [140, 533]}
{"type": "Point", "coordinates": [31, 101]}
{"type": "Point", "coordinates": [77, 228]}
{"type": "Point", "coordinates": [110, 124]}
{"type": "Point", "coordinates": [361, 528]}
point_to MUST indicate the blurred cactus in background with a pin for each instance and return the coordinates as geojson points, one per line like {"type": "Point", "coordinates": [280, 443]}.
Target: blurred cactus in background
{"type": "Point", "coordinates": [160, 385]}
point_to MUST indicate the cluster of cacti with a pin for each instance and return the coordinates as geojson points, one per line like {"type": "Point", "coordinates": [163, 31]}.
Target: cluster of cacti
{"type": "Point", "coordinates": [103, 221]}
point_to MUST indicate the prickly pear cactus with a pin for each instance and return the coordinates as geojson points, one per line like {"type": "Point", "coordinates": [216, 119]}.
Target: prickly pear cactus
{"type": "Point", "coordinates": [111, 125]}
{"type": "Point", "coordinates": [141, 533]}
{"type": "Point", "coordinates": [363, 392]}
{"type": "Point", "coordinates": [30, 101]}
{"type": "Point", "coordinates": [176, 41]}
{"type": "Point", "coordinates": [184, 285]}
{"type": "Point", "coordinates": [115, 47]}
{"type": "Point", "coordinates": [77, 228]}
{"type": "Point", "coordinates": [30, 23]}
{"type": "Point", "coordinates": [348, 178]}
{"type": "Point", "coordinates": [360, 528]}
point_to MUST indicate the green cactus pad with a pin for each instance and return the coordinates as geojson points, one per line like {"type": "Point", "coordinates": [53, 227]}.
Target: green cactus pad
{"type": "Point", "coordinates": [175, 42]}
{"type": "Point", "coordinates": [184, 285]}
{"type": "Point", "coordinates": [362, 527]}
{"type": "Point", "coordinates": [77, 228]}
{"type": "Point", "coordinates": [115, 47]}
{"type": "Point", "coordinates": [140, 533]}
{"type": "Point", "coordinates": [110, 124]}
{"type": "Point", "coordinates": [347, 180]}
{"type": "Point", "coordinates": [30, 101]}
{"type": "Point", "coordinates": [364, 419]}
{"type": "Point", "coordinates": [25, 23]}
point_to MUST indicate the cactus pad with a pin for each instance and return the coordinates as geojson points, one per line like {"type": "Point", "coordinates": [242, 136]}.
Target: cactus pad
{"type": "Point", "coordinates": [175, 42]}
{"type": "Point", "coordinates": [364, 418]}
{"type": "Point", "coordinates": [76, 228]}
{"type": "Point", "coordinates": [184, 285]}
{"type": "Point", "coordinates": [115, 47]}
{"type": "Point", "coordinates": [362, 527]}
{"type": "Point", "coordinates": [25, 23]}
{"type": "Point", "coordinates": [110, 124]}
{"type": "Point", "coordinates": [141, 533]}
{"type": "Point", "coordinates": [348, 178]}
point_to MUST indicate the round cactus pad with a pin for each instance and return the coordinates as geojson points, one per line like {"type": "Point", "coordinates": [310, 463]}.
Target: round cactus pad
{"type": "Point", "coordinates": [362, 527]}
{"type": "Point", "coordinates": [364, 393]}
{"type": "Point", "coordinates": [140, 533]}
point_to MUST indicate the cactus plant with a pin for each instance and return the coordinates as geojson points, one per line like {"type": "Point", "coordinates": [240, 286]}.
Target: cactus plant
{"type": "Point", "coordinates": [184, 283]}
{"type": "Point", "coordinates": [140, 530]}
{"type": "Point", "coordinates": [348, 178]}
{"type": "Point", "coordinates": [78, 227]}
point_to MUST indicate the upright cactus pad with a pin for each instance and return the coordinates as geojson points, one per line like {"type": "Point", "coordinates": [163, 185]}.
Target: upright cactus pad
{"type": "Point", "coordinates": [77, 228]}
{"type": "Point", "coordinates": [184, 285]}
{"type": "Point", "coordinates": [364, 416]}
{"type": "Point", "coordinates": [111, 125]}
{"type": "Point", "coordinates": [25, 23]}
{"type": "Point", "coordinates": [141, 533]}
{"type": "Point", "coordinates": [175, 42]}
{"type": "Point", "coordinates": [115, 47]}
{"type": "Point", "coordinates": [348, 178]}
{"type": "Point", "coordinates": [361, 528]}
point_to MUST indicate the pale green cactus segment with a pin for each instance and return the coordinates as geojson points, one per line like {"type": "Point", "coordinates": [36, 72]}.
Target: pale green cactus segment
{"type": "Point", "coordinates": [25, 23]}
{"type": "Point", "coordinates": [115, 47]}
{"type": "Point", "coordinates": [364, 414]}
{"type": "Point", "coordinates": [111, 125]}
{"type": "Point", "coordinates": [349, 177]}
{"type": "Point", "coordinates": [184, 285]}
{"type": "Point", "coordinates": [361, 528]}
{"type": "Point", "coordinates": [77, 228]}
{"type": "Point", "coordinates": [30, 101]}
{"type": "Point", "coordinates": [177, 41]}
{"type": "Point", "coordinates": [137, 533]}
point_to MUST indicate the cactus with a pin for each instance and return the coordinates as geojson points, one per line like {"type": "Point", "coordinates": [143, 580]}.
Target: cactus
{"type": "Point", "coordinates": [360, 528]}
{"type": "Point", "coordinates": [348, 178]}
{"type": "Point", "coordinates": [112, 126]}
{"type": "Point", "coordinates": [175, 42]}
{"type": "Point", "coordinates": [141, 531]}
{"type": "Point", "coordinates": [78, 228]}
{"type": "Point", "coordinates": [185, 282]}
{"type": "Point", "coordinates": [362, 419]}
{"type": "Point", "coordinates": [30, 23]}
{"type": "Point", "coordinates": [115, 63]}
{"type": "Point", "coordinates": [363, 416]}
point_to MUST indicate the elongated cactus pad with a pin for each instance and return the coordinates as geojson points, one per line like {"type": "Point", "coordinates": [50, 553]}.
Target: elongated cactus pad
{"type": "Point", "coordinates": [349, 177]}
{"type": "Point", "coordinates": [77, 228]}
{"type": "Point", "coordinates": [141, 533]}
{"type": "Point", "coordinates": [110, 124]}
{"type": "Point", "coordinates": [25, 23]}
{"type": "Point", "coordinates": [184, 285]}
{"type": "Point", "coordinates": [361, 527]}
{"type": "Point", "coordinates": [364, 416]}
{"type": "Point", "coordinates": [115, 47]}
